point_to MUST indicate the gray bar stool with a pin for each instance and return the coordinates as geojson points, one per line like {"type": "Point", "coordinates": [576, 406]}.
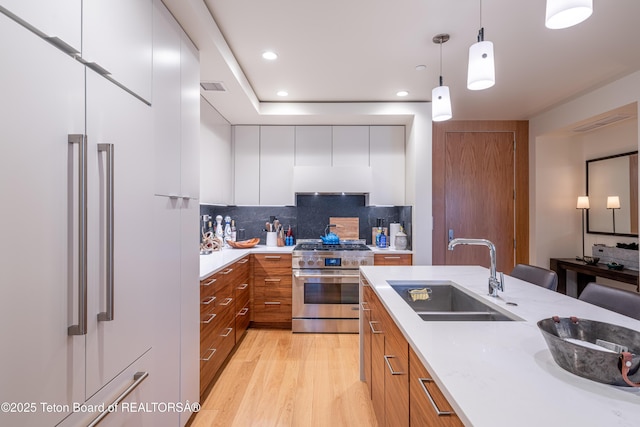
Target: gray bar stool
{"type": "Point", "coordinates": [618, 300]}
{"type": "Point", "coordinates": [547, 279]}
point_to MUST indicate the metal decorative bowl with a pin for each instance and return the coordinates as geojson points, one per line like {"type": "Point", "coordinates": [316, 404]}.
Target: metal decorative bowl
{"type": "Point", "coordinates": [593, 350]}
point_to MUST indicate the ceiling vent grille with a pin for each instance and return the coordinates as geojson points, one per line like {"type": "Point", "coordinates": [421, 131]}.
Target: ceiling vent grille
{"type": "Point", "coordinates": [213, 86]}
{"type": "Point", "coordinates": [605, 121]}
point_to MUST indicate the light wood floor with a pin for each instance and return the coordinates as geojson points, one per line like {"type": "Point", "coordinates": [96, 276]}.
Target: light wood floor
{"type": "Point", "coordinates": [277, 378]}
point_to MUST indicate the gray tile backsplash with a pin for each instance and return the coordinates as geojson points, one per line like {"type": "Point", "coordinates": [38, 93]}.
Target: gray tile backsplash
{"type": "Point", "coordinates": [310, 216]}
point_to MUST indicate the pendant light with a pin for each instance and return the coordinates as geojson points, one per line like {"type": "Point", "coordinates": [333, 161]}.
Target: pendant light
{"type": "Point", "coordinates": [481, 72]}
{"type": "Point", "coordinates": [567, 13]}
{"type": "Point", "coordinates": [440, 98]}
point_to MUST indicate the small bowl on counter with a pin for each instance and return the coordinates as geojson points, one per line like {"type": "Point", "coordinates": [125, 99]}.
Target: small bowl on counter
{"type": "Point", "coordinates": [591, 260]}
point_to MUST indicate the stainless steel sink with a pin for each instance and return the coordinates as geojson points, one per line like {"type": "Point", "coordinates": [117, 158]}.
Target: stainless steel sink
{"type": "Point", "coordinates": [447, 302]}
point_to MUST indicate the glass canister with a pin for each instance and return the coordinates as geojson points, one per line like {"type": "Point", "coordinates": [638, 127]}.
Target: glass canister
{"type": "Point", "coordinates": [401, 241]}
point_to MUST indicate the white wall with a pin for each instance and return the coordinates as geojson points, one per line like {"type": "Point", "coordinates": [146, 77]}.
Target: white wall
{"type": "Point", "coordinates": [215, 157]}
{"type": "Point", "coordinates": [557, 168]}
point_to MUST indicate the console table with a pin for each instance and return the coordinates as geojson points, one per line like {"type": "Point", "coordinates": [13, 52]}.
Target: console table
{"type": "Point", "coordinates": [587, 273]}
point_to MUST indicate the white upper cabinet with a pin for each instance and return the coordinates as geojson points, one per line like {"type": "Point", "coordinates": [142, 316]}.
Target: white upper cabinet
{"type": "Point", "coordinates": [387, 150]}
{"type": "Point", "coordinates": [59, 21]}
{"type": "Point", "coordinates": [117, 36]}
{"type": "Point", "coordinates": [176, 110]}
{"type": "Point", "coordinates": [276, 165]}
{"type": "Point", "coordinates": [351, 146]}
{"type": "Point", "coordinates": [246, 165]}
{"type": "Point", "coordinates": [313, 146]}
{"type": "Point", "coordinates": [215, 161]}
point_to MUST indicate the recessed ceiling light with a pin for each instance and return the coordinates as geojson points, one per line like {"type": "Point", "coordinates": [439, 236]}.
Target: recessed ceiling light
{"type": "Point", "coordinates": [402, 93]}
{"type": "Point", "coordinates": [421, 67]}
{"type": "Point", "coordinates": [269, 55]}
{"type": "Point", "coordinates": [282, 93]}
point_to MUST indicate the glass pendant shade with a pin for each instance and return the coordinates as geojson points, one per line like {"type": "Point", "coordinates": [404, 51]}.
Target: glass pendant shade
{"type": "Point", "coordinates": [566, 13]}
{"type": "Point", "coordinates": [440, 104]}
{"type": "Point", "coordinates": [481, 73]}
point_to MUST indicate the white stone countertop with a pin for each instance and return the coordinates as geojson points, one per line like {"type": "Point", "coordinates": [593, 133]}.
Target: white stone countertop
{"type": "Point", "coordinates": [215, 261]}
{"type": "Point", "coordinates": [502, 373]}
{"type": "Point", "coordinates": [378, 250]}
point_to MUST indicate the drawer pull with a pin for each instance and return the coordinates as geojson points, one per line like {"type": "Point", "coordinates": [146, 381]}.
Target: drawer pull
{"type": "Point", "coordinates": [138, 377]}
{"type": "Point", "coordinates": [243, 286]}
{"type": "Point", "coordinates": [362, 305]}
{"type": "Point", "coordinates": [229, 330]}
{"type": "Point", "coordinates": [227, 271]}
{"type": "Point", "coordinates": [243, 312]}
{"type": "Point", "coordinates": [272, 280]}
{"type": "Point", "coordinates": [243, 261]}
{"type": "Point", "coordinates": [227, 301]}
{"type": "Point", "coordinates": [272, 303]}
{"type": "Point", "coordinates": [208, 300]}
{"type": "Point", "coordinates": [386, 359]}
{"type": "Point", "coordinates": [211, 316]}
{"type": "Point", "coordinates": [365, 282]}
{"type": "Point", "coordinates": [433, 403]}
{"type": "Point", "coordinates": [209, 282]}
{"type": "Point", "coordinates": [206, 359]}
{"type": "Point", "coordinates": [373, 329]}
{"type": "Point", "coordinates": [391, 257]}
{"type": "Point", "coordinates": [272, 257]}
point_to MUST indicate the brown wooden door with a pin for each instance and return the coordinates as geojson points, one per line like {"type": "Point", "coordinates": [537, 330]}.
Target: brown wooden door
{"type": "Point", "coordinates": [480, 196]}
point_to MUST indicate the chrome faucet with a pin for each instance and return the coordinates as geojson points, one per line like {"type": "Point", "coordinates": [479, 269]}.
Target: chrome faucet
{"type": "Point", "coordinates": [495, 284]}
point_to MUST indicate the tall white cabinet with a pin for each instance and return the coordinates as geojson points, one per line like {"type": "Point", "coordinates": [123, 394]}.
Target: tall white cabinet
{"type": "Point", "coordinates": [174, 234]}
{"type": "Point", "coordinates": [83, 290]}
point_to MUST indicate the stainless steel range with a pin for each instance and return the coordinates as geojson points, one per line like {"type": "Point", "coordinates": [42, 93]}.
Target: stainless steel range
{"type": "Point", "coordinates": [325, 285]}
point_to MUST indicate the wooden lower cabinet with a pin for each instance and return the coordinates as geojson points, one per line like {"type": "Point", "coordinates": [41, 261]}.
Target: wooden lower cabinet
{"type": "Point", "coordinates": [272, 283]}
{"type": "Point", "coordinates": [219, 294]}
{"type": "Point", "coordinates": [401, 388]}
{"type": "Point", "coordinates": [392, 259]}
{"type": "Point", "coordinates": [428, 406]}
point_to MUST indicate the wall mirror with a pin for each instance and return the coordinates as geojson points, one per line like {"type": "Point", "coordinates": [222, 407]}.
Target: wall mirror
{"type": "Point", "coordinates": [609, 177]}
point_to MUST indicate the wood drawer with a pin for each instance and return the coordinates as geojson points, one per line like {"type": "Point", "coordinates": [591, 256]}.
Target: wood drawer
{"type": "Point", "coordinates": [272, 281]}
{"type": "Point", "coordinates": [213, 356]}
{"type": "Point", "coordinates": [243, 317]}
{"type": "Point", "coordinates": [243, 294]}
{"type": "Point", "coordinates": [209, 285]}
{"type": "Point", "coordinates": [422, 409]}
{"type": "Point", "coordinates": [271, 310]}
{"type": "Point", "coordinates": [392, 259]}
{"type": "Point", "coordinates": [272, 265]}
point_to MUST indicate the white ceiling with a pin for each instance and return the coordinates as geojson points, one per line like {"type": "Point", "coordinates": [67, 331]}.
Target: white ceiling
{"type": "Point", "coordinates": [361, 52]}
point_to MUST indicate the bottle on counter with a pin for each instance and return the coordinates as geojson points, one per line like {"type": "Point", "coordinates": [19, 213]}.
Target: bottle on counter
{"type": "Point", "coordinates": [219, 228]}
{"type": "Point", "coordinates": [233, 230]}
{"type": "Point", "coordinates": [227, 228]}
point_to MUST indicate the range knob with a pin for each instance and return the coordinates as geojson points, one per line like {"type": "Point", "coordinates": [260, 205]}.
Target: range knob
{"type": "Point", "coordinates": [363, 262]}
{"type": "Point", "coordinates": [301, 263]}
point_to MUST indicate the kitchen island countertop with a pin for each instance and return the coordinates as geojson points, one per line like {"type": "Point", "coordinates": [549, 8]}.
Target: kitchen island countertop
{"type": "Point", "coordinates": [502, 373]}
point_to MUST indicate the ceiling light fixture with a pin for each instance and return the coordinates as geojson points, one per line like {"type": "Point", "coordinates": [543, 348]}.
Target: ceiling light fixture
{"type": "Point", "coordinates": [567, 13]}
{"type": "Point", "coordinates": [440, 98]}
{"type": "Point", "coordinates": [402, 93]}
{"type": "Point", "coordinates": [269, 55]}
{"type": "Point", "coordinates": [481, 73]}
{"type": "Point", "coordinates": [282, 93]}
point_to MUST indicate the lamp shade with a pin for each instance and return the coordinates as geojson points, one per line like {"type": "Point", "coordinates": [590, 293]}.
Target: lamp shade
{"type": "Point", "coordinates": [481, 73]}
{"type": "Point", "coordinates": [440, 104]}
{"type": "Point", "coordinates": [567, 13]}
{"type": "Point", "coordinates": [583, 202]}
{"type": "Point", "coordinates": [613, 202]}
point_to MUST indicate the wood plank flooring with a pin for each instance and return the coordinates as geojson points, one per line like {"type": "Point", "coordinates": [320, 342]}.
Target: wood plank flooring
{"type": "Point", "coordinates": [277, 378]}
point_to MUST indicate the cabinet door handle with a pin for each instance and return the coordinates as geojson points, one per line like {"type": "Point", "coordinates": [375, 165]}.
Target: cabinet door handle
{"type": "Point", "coordinates": [209, 282]}
{"type": "Point", "coordinates": [229, 330]}
{"type": "Point", "coordinates": [81, 327]}
{"type": "Point", "coordinates": [137, 379]}
{"type": "Point", "coordinates": [386, 359]}
{"type": "Point", "coordinates": [272, 257]}
{"type": "Point", "coordinates": [243, 286]}
{"type": "Point", "coordinates": [272, 303]}
{"type": "Point", "coordinates": [391, 257]}
{"type": "Point", "coordinates": [272, 280]}
{"type": "Point", "coordinates": [243, 312]}
{"type": "Point", "coordinates": [440, 413]}
{"type": "Point", "coordinates": [107, 315]}
{"type": "Point", "coordinates": [227, 301]}
{"type": "Point", "coordinates": [373, 329]}
{"type": "Point", "coordinates": [206, 359]}
{"type": "Point", "coordinates": [362, 305]}
{"type": "Point", "coordinates": [243, 261]}
{"type": "Point", "coordinates": [227, 271]}
{"type": "Point", "coordinates": [211, 317]}
{"type": "Point", "coordinates": [364, 282]}
{"type": "Point", "coordinates": [208, 300]}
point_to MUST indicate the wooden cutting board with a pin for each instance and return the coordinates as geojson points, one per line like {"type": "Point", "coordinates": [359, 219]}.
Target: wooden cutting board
{"type": "Point", "coordinates": [346, 228]}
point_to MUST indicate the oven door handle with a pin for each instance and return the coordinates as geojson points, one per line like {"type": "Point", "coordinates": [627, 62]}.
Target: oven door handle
{"type": "Point", "coordinates": [299, 275]}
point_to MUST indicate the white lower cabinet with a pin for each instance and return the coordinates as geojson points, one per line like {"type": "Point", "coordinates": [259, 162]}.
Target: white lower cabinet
{"type": "Point", "coordinates": [53, 239]}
